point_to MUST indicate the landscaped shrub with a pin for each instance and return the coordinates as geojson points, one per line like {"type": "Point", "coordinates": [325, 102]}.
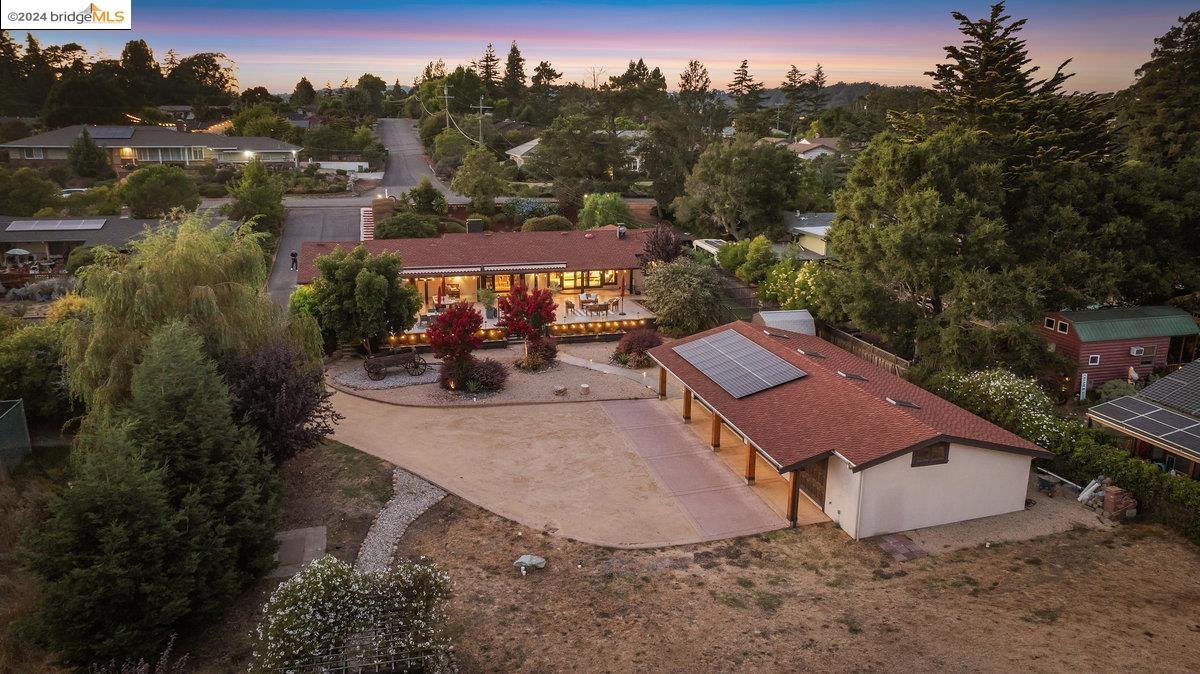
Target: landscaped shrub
{"type": "Point", "coordinates": [407, 225]}
{"type": "Point", "coordinates": [30, 368]}
{"type": "Point", "coordinates": [454, 227]}
{"type": "Point", "coordinates": [685, 295]}
{"type": "Point", "coordinates": [453, 335]}
{"type": "Point", "coordinates": [760, 257]}
{"type": "Point", "coordinates": [1111, 390]}
{"type": "Point", "coordinates": [528, 315]}
{"type": "Point", "coordinates": [732, 255]}
{"type": "Point", "coordinates": [1017, 404]}
{"type": "Point", "coordinates": [631, 350]}
{"type": "Point", "coordinates": [489, 374]}
{"type": "Point", "coordinates": [317, 610]}
{"type": "Point", "coordinates": [153, 190]}
{"type": "Point", "coordinates": [278, 394]}
{"type": "Point", "coordinates": [545, 348]}
{"type": "Point", "coordinates": [549, 223]}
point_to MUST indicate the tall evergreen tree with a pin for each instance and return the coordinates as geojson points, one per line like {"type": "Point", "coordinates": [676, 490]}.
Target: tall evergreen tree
{"type": "Point", "coordinates": [747, 93]}
{"type": "Point", "coordinates": [12, 76]}
{"type": "Point", "coordinates": [87, 159]}
{"type": "Point", "coordinates": [795, 97]}
{"type": "Point", "coordinates": [488, 69]}
{"type": "Point", "coordinates": [142, 74]}
{"type": "Point", "coordinates": [304, 94]}
{"type": "Point", "coordinates": [214, 475]}
{"type": "Point", "coordinates": [513, 84]}
{"type": "Point", "coordinates": [815, 96]}
{"type": "Point", "coordinates": [1161, 116]}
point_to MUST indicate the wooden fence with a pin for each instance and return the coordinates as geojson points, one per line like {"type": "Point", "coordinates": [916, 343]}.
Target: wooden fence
{"type": "Point", "coordinates": [863, 349]}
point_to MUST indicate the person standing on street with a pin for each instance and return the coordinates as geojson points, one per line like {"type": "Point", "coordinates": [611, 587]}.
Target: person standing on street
{"type": "Point", "coordinates": [295, 261]}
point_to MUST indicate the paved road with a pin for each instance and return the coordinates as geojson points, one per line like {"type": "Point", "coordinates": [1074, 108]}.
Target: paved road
{"type": "Point", "coordinates": [309, 223]}
{"type": "Point", "coordinates": [406, 162]}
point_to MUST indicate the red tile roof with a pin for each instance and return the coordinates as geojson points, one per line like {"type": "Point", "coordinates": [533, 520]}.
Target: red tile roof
{"type": "Point", "coordinates": [577, 250]}
{"type": "Point", "coordinates": [825, 412]}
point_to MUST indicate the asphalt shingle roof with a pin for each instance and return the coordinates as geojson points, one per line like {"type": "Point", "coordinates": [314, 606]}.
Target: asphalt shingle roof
{"type": "Point", "coordinates": [594, 249]}
{"type": "Point", "coordinates": [826, 412]}
{"type": "Point", "coordinates": [150, 136]}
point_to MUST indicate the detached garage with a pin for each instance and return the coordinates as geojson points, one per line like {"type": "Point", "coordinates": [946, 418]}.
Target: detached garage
{"type": "Point", "coordinates": [874, 452]}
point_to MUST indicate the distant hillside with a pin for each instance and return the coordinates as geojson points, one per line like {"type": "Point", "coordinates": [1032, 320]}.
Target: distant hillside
{"type": "Point", "coordinates": [841, 94]}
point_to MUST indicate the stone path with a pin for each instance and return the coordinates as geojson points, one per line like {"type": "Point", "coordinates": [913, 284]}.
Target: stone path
{"type": "Point", "coordinates": [412, 497]}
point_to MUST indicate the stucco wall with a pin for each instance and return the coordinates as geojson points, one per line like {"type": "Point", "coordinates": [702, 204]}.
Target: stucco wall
{"type": "Point", "coordinates": [841, 494]}
{"type": "Point", "coordinates": [973, 483]}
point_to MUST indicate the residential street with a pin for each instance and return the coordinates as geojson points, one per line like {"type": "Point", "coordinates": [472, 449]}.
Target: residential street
{"type": "Point", "coordinates": [308, 223]}
{"type": "Point", "coordinates": [406, 162]}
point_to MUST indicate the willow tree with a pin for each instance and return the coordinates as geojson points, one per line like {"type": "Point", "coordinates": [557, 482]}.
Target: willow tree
{"type": "Point", "coordinates": [209, 277]}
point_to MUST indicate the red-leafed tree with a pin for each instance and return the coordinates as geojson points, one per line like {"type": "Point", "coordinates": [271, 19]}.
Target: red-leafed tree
{"type": "Point", "coordinates": [453, 335]}
{"type": "Point", "coordinates": [527, 314]}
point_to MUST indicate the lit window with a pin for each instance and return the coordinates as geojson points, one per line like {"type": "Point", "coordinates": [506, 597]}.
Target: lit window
{"type": "Point", "coordinates": [1094, 359]}
{"type": "Point", "coordinates": [932, 455]}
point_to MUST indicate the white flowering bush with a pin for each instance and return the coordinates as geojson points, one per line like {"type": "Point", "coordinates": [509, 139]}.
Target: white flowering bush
{"type": "Point", "coordinates": [327, 611]}
{"type": "Point", "coordinates": [1016, 403]}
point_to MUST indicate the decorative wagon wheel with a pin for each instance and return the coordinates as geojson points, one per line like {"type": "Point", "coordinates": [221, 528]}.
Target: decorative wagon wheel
{"type": "Point", "coordinates": [416, 367]}
{"type": "Point", "coordinates": [374, 372]}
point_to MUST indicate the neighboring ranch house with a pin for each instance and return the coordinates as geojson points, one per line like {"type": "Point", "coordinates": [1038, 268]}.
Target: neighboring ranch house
{"type": "Point", "coordinates": [521, 154]}
{"type": "Point", "coordinates": [54, 238]}
{"type": "Point", "coordinates": [134, 145]}
{"type": "Point", "coordinates": [875, 453]}
{"type": "Point", "coordinates": [1107, 344]}
{"type": "Point", "coordinates": [811, 148]}
{"type": "Point", "coordinates": [811, 232]}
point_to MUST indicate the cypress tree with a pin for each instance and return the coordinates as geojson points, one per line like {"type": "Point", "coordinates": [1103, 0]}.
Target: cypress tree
{"type": "Point", "coordinates": [514, 73]}
{"type": "Point", "coordinates": [87, 159]}
{"type": "Point", "coordinates": [180, 417]}
{"type": "Point", "coordinates": [745, 91]}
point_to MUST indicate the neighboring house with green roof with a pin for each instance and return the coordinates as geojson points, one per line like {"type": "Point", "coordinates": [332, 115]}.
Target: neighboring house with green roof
{"type": "Point", "coordinates": [1112, 343]}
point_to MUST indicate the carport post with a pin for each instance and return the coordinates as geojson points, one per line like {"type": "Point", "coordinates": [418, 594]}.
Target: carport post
{"type": "Point", "coordinates": [662, 383]}
{"type": "Point", "coordinates": [687, 404]}
{"type": "Point", "coordinates": [793, 497]}
{"type": "Point", "coordinates": [751, 459]}
{"type": "Point", "coordinates": [716, 430]}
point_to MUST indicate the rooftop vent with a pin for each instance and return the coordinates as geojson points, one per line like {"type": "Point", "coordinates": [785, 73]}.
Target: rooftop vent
{"type": "Point", "coordinates": [621, 229]}
{"type": "Point", "coordinates": [851, 375]}
{"type": "Point", "coordinates": [812, 354]}
{"type": "Point", "coordinates": [903, 403]}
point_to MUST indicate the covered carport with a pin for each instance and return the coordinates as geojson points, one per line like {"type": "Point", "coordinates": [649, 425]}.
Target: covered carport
{"type": "Point", "coordinates": [788, 493]}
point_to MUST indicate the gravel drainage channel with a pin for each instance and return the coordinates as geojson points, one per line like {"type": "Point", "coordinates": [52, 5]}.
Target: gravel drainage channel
{"type": "Point", "coordinates": [411, 497]}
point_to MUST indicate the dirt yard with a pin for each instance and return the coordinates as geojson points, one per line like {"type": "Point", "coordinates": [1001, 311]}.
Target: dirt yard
{"type": "Point", "coordinates": [812, 599]}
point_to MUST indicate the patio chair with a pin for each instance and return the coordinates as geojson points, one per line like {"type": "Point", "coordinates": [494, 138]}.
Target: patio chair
{"type": "Point", "coordinates": [570, 307]}
{"type": "Point", "coordinates": [614, 305]}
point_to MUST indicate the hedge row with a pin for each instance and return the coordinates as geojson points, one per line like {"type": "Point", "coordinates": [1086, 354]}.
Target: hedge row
{"type": "Point", "coordinates": [1081, 453]}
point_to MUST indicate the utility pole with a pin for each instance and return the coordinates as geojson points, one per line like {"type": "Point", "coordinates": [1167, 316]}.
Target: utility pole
{"type": "Point", "coordinates": [446, 103]}
{"type": "Point", "coordinates": [481, 107]}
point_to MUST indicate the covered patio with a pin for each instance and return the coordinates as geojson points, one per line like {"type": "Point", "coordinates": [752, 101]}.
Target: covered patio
{"type": "Point", "coordinates": [790, 497]}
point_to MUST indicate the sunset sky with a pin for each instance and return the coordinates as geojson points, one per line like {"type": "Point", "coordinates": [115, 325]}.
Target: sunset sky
{"type": "Point", "coordinates": [274, 42]}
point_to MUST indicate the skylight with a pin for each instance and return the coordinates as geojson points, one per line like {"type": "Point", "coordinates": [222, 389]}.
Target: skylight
{"type": "Point", "coordinates": [903, 403]}
{"type": "Point", "coordinates": [851, 375]}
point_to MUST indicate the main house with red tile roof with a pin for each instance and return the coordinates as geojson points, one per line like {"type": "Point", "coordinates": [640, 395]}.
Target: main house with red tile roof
{"type": "Point", "coordinates": [596, 274]}
{"type": "Point", "coordinates": [875, 452]}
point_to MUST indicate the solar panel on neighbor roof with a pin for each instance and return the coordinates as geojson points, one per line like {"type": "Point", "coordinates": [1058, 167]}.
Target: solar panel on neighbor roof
{"type": "Point", "coordinates": [737, 364]}
{"type": "Point", "coordinates": [1169, 428]}
{"type": "Point", "coordinates": [1180, 390]}
{"type": "Point", "coordinates": [111, 132]}
{"type": "Point", "coordinates": [53, 225]}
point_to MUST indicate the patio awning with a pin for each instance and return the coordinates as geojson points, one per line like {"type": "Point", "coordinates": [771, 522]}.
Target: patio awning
{"type": "Point", "coordinates": [440, 271]}
{"type": "Point", "coordinates": [523, 268]}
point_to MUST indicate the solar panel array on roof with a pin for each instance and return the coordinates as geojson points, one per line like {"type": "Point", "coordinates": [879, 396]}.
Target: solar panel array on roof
{"type": "Point", "coordinates": [1180, 389]}
{"type": "Point", "coordinates": [737, 364]}
{"type": "Point", "coordinates": [1170, 429]}
{"type": "Point", "coordinates": [53, 225]}
{"type": "Point", "coordinates": [111, 132]}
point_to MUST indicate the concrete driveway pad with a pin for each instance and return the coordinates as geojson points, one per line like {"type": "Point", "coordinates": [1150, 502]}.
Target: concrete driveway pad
{"type": "Point", "coordinates": [540, 466]}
